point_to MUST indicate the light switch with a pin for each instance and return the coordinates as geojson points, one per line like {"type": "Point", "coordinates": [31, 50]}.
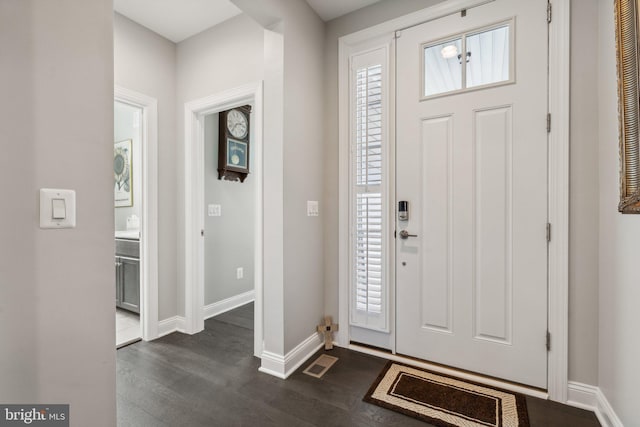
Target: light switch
{"type": "Point", "coordinates": [312, 208]}
{"type": "Point", "coordinates": [59, 209]}
{"type": "Point", "coordinates": [214, 210]}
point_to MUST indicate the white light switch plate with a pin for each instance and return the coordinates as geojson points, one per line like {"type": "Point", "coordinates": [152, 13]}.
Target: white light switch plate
{"type": "Point", "coordinates": [312, 208]}
{"type": "Point", "coordinates": [65, 207]}
{"type": "Point", "coordinates": [214, 210]}
{"type": "Point", "coordinates": [239, 273]}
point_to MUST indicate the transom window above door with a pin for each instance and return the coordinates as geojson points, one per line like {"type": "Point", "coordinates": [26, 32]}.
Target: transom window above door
{"type": "Point", "coordinates": [468, 61]}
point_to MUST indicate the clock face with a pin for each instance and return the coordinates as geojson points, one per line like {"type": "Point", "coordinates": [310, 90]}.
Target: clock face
{"type": "Point", "coordinates": [237, 124]}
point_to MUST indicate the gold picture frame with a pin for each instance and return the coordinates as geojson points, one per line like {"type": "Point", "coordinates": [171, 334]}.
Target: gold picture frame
{"type": "Point", "coordinates": [627, 45]}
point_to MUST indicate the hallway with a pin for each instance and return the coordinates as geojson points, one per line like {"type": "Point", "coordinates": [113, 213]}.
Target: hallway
{"type": "Point", "coordinates": [212, 379]}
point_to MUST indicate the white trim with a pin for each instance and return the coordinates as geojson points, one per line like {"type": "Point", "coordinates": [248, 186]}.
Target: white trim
{"type": "Point", "coordinates": [171, 325]}
{"type": "Point", "coordinates": [559, 74]}
{"type": "Point", "coordinates": [559, 87]}
{"type": "Point", "coordinates": [591, 398]}
{"type": "Point", "coordinates": [228, 304]}
{"type": "Point", "coordinates": [149, 231]}
{"type": "Point", "coordinates": [605, 413]}
{"type": "Point", "coordinates": [425, 15]}
{"type": "Point", "coordinates": [467, 376]}
{"type": "Point", "coordinates": [194, 113]}
{"type": "Point", "coordinates": [281, 367]}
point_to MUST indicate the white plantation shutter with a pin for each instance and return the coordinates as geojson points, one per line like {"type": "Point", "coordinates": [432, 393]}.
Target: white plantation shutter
{"type": "Point", "coordinates": [368, 195]}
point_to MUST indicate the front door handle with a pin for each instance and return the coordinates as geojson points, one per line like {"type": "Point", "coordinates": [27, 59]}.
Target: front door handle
{"type": "Point", "coordinates": [404, 234]}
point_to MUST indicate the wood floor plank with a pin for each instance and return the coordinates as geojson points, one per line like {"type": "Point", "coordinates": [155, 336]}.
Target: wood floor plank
{"type": "Point", "coordinates": [212, 379]}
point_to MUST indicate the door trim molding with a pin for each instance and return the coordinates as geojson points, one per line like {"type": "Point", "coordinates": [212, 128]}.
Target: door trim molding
{"type": "Point", "coordinates": [559, 75]}
{"type": "Point", "coordinates": [149, 231]}
{"type": "Point", "coordinates": [194, 113]}
{"type": "Point", "coordinates": [559, 97]}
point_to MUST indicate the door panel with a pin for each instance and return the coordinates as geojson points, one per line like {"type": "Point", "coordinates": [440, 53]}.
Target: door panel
{"type": "Point", "coordinates": [472, 286]}
{"type": "Point", "coordinates": [437, 162]}
{"type": "Point", "coordinates": [492, 279]}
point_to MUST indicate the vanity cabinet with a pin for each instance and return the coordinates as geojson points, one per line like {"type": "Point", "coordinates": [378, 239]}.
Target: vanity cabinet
{"type": "Point", "coordinates": [128, 274]}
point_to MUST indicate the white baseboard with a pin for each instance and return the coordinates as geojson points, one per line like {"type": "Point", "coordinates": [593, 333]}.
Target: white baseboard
{"type": "Point", "coordinates": [283, 366]}
{"type": "Point", "coordinates": [170, 325]}
{"type": "Point", "coordinates": [228, 304]}
{"type": "Point", "coordinates": [585, 396]}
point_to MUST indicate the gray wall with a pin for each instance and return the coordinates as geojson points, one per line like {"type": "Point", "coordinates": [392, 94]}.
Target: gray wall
{"type": "Point", "coordinates": [57, 286]}
{"type": "Point", "coordinates": [294, 94]}
{"type": "Point", "coordinates": [228, 239]}
{"type": "Point", "coordinates": [223, 57]}
{"type": "Point", "coordinates": [124, 129]}
{"type": "Point", "coordinates": [303, 172]}
{"type": "Point", "coordinates": [583, 299]}
{"type": "Point", "coordinates": [583, 202]}
{"type": "Point", "coordinates": [146, 63]}
{"type": "Point", "coordinates": [618, 373]}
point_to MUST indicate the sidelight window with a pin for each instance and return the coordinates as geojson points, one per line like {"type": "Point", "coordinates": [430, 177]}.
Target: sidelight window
{"type": "Point", "coordinates": [368, 190]}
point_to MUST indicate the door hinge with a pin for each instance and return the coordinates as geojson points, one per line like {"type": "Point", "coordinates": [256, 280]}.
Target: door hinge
{"type": "Point", "coordinates": [548, 232]}
{"type": "Point", "coordinates": [549, 12]}
{"type": "Point", "coordinates": [202, 232]}
{"type": "Point", "coordinates": [548, 122]}
{"type": "Point", "coordinates": [548, 341]}
{"type": "Point", "coordinates": [463, 13]}
{"type": "Point", "coordinates": [397, 34]}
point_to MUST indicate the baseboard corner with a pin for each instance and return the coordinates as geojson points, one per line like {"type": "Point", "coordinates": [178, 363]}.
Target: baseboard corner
{"type": "Point", "coordinates": [591, 398]}
{"type": "Point", "coordinates": [170, 325]}
{"type": "Point", "coordinates": [283, 366]}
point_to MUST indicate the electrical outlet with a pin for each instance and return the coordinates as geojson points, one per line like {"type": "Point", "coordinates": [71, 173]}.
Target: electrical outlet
{"type": "Point", "coordinates": [239, 273]}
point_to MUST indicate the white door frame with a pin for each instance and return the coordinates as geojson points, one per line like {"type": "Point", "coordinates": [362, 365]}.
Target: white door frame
{"type": "Point", "coordinates": [194, 113]}
{"type": "Point", "coordinates": [559, 76]}
{"type": "Point", "coordinates": [149, 230]}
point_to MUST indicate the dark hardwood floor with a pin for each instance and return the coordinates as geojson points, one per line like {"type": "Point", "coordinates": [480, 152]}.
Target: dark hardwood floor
{"type": "Point", "coordinates": [212, 379]}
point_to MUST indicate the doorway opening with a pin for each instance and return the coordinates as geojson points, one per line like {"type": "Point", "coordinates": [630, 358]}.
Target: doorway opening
{"type": "Point", "coordinates": [385, 35]}
{"type": "Point", "coordinates": [136, 216]}
{"type": "Point", "coordinates": [229, 226]}
{"type": "Point", "coordinates": [197, 308]}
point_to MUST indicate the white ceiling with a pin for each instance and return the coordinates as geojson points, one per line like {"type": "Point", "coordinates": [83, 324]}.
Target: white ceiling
{"type": "Point", "coordinates": [178, 20]}
{"type": "Point", "coordinates": [330, 9]}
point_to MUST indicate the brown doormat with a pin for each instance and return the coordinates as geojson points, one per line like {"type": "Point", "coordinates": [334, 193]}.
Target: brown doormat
{"type": "Point", "coordinates": [446, 401]}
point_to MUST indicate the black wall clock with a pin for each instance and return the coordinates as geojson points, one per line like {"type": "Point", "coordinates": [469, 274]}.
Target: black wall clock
{"type": "Point", "coordinates": [233, 144]}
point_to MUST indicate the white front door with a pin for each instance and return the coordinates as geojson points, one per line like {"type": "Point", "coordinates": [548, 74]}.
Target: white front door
{"type": "Point", "coordinates": [472, 164]}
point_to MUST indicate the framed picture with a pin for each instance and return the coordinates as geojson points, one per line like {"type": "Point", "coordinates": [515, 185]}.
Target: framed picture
{"type": "Point", "coordinates": [123, 174]}
{"type": "Point", "coordinates": [628, 63]}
